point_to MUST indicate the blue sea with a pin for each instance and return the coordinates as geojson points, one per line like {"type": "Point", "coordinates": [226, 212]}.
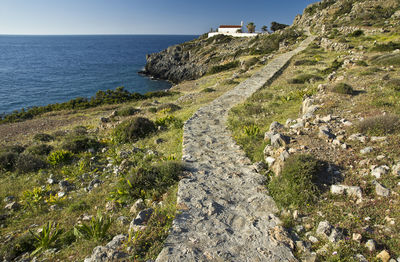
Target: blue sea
{"type": "Point", "coordinates": [41, 70]}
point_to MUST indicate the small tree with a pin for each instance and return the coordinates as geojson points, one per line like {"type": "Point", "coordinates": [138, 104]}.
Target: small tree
{"type": "Point", "coordinates": [251, 27]}
{"type": "Point", "coordinates": [264, 28]}
{"type": "Point", "coordinates": [275, 26]}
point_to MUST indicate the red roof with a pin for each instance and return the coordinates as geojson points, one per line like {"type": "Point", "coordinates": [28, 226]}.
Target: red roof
{"type": "Point", "coordinates": [230, 26]}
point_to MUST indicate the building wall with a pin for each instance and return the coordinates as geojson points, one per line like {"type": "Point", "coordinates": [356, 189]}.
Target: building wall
{"type": "Point", "coordinates": [233, 34]}
{"type": "Point", "coordinates": [228, 30]}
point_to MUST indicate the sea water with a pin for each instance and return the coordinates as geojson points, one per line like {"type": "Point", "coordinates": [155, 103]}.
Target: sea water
{"type": "Point", "coordinates": [40, 70]}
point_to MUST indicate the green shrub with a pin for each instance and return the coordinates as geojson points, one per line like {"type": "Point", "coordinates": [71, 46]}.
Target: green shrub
{"type": "Point", "coordinates": [17, 149]}
{"type": "Point", "coordinates": [128, 111]}
{"type": "Point", "coordinates": [169, 107]}
{"type": "Point", "coordinates": [60, 157]}
{"type": "Point", "coordinates": [333, 67]}
{"type": "Point", "coordinates": [386, 47]}
{"type": "Point", "coordinates": [250, 62]}
{"type": "Point", "coordinates": [152, 109]}
{"type": "Point", "coordinates": [18, 246]}
{"type": "Point", "coordinates": [81, 205]}
{"type": "Point", "coordinates": [96, 230]}
{"type": "Point", "coordinates": [148, 181]}
{"type": "Point", "coordinates": [251, 130]}
{"type": "Point", "coordinates": [42, 137]}
{"type": "Point", "coordinates": [297, 185]}
{"type": "Point", "coordinates": [379, 125]}
{"type": "Point", "coordinates": [47, 238]}
{"type": "Point", "coordinates": [224, 67]}
{"type": "Point", "coordinates": [41, 150]}
{"type": "Point", "coordinates": [7, 161]}
{"type": "Point", "coordinates": [80, 131]}
{"type": "Point", "coordinates": [343, 88]}
{"type": "Point", "coordinates": [305, 62]}
{"type": "Point", "coordinates": [134, 129]}
{"type": "Point", "coordinates": [168, 121]}
{"type": "Point", "coordinates": [80, 144]}
{"type": "Point", "coordinates": [29, 163]}
{"type": "Point", "coordinates": [387, 60]}
{"type": "Point", "coordinates": [394, 84]}
{"type": "Point", "coordinates": [207, 90]}
{"type": "Point", "coordinates": [230, 82]}
{"type": "Point", "coordinates": [361, 63]}
{"type": "Point", "coordinates": [304, 78]}
{"type": "Point", "coordinates": [356, 33]}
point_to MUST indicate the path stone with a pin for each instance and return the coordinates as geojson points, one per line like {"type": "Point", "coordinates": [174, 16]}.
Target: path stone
{"type": "Point", "coordinates": [225, 213]}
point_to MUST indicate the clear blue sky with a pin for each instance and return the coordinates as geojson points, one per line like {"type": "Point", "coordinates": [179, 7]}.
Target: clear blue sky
{"type": "Point", "coordinates": [140, 16]}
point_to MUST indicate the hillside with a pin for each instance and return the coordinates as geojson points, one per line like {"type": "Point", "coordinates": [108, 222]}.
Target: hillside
{"type": "Point", "coordinates": [100, 181]}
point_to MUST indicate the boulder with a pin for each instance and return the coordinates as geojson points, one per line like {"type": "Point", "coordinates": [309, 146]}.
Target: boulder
{"type": "Point", "coordinates": [366, 150]}
{"type": "Point", "coordinates": [279, 140]}
{"type": "Point", "coordinates": [384, 256]}
{"type": "Point", "coordinates": [379, 171]}
{"type": "Point", "coordinates": [371, 245]}
{"type": "Point", "coordinates": [396, 169]}
{"type": "Point", "coordinates": [381, 190]}
{"type": "Point", "coordinates": [66, 186]}
{"type": "Point", "coordinates": [275, 126]}
{"type": "Point", "coordinates": [324, 229]}
{"type": "Point", "coordinates": [325, 133]}
{"type": "Point", "coordinates": [354, 191]}
{"type": "Point", "coordinates": [137, 206]}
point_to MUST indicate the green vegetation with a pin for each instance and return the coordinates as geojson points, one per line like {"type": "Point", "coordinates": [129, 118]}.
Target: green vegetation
{"type": "Point", "coordinates": [387, 60]}
{"type": "Point", "coordinates": [343, 88]}
{"type": "Point", "coordinates": [40, 150]}
{"type": "Point", "coordinates": [387, 47]}
{"type": "Point", "coordinates": [297, 185]}
{"type": "Point", "coordinates": [133, 129]}
{"type": "Point", "coordinates": [251, 27]}
{"type": "Point", "coordinates": [77, 144]}
{"type": "Point", "coordinates": [47, 238]}
{"type": "Point", "coordinates": [120, 95]}
{"type": "Point", "coordinates": [313, 9]}
{"type": "Point", "coordinates": [304, 78]}
{"type": "Point", "coordinates": [29, 163]}
{"type": "Point", "coordinates": [379, 125]}
{"type": "Point", "coordinates": [224, 67]}
{"type": "Point", "coordinates": [96, 230]}
{"type": "Point", "coordinates": [43, 137]}
{"type": "Point", "coordinates": [60, 157]}
{"type": "Point", "coordinates": [128, 111]}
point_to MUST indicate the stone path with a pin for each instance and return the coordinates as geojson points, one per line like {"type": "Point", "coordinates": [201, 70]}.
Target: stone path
{"type": "Point", "coordinates": [225, 213]}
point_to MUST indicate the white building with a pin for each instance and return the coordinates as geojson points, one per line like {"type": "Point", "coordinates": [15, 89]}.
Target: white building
{"type": "Point", "coordinates": [232, 30]}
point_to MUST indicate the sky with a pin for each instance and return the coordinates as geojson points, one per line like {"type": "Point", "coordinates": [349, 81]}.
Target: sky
{"type": "Point", "coordinates": [190, 17]}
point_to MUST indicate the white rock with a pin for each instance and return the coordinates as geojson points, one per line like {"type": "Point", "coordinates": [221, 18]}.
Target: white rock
{"type": "Point", "coordinates": [379, 171]}
{"type": "Point", "coordinates": [354, 191]}
{"type": "Point", "coordinates": [270, 160]}
{"type": "Point", "coordinates": [371, 245]}
{"type": "Point", "coordinates": [381, 190]}
{"type": "Point", "coordinates": [366, 150]}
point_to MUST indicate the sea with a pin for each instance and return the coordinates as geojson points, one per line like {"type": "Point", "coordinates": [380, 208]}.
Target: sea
{"type": "Point", "coordinates": [41, 70]}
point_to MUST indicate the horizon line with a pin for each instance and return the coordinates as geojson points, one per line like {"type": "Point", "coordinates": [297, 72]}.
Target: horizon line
{"type": "Point", "coordinates": [92, 34]}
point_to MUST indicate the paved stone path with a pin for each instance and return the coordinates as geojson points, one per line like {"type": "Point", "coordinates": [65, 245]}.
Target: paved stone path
{"type": "Point", "coordinates": [225, 213]}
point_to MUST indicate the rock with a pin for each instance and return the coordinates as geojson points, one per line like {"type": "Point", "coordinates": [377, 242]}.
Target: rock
{"type": "Point", "coordinates": [284, 156]}
{"type": "Point", "coordinates": [269, 150]}
{"type": "Point", "coordinates": [93, 184]}
{"type": "Point", "coordinates": [308, 107]}
{"type": "Point", "coordinates": [371, 245]}
{"type": "Point", "coordinates": [270, 160]}
{"type": "Point", "coordinates": [384, 256]}
{"type": "Point", "coordinates": [299, 229]}
{"type": "Point", "coordinates": [357, 237]}
{"type": "Point", "coordinates": [111, 206]}
{"type": "Point", "coordinates": [66, 186]}
{"type": "Point", "coordinates": [9, 199]}
{"type": "Point", "coordinates": [116, 242]}
{"type": "Point", "coordinates": [123, 220]}
{"type": "Point", "coordinates": [259, 167]}
{"type": "Point", "coordinates": [137, 206]}
{"type": "Point", "coordinates": [396, 169]}
{"type": "Point", "coordinates": [378, 172]}
{"type": "Point", "coordinates": [358, 137]}
{"type": "Point", "coordinates": [141, 218]}
{"type": "Point", "coordinates": [279, 140]}
{"type": "Point", "coordinates": [106, 254]}
{"type": "Point", "coordinates": [354, 191]}
{"type": "Point", "coordinates": [381, 190]}
{"type": "Point", "coordinates": [299, 124]}
{"type": "Point", "coordinates": [360, 258]}
{"type": "Point", "coordinates": [378, 138]}
{"type": "Point", "coordinates": [312, 257]}
{"type": "Point", "coordinates": [313, 239]}
{"type": "Point", "coordinates": [366, 150]}
{"type": "Point", "coordinates": [104, 120]}
{"type": "Point", "coordinates": [325, 133]}
{"type": "Point", "coordinates": [335, 236]}
{"type": "Point", "coordinates": [61, 194]}
{"type": "Point", "coordinates": [275, 126]}
{"type": "Point", "coordinates": [13, 206]}
{"type": "Point", "coordinates": [324, 229]}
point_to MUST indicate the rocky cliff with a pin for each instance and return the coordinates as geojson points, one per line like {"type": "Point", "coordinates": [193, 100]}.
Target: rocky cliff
{"type": "Point", "coordinates": [194, 59]}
